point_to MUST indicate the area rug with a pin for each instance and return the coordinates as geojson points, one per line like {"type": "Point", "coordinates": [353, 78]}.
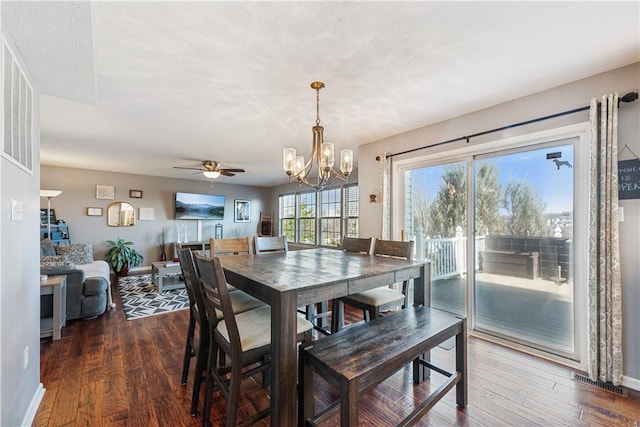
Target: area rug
{"type": "Point", "coordinates": [140, 297]}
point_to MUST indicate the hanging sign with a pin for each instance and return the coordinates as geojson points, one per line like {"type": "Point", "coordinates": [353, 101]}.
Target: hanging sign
{"type": "Point", "coordinates": [629, 179]}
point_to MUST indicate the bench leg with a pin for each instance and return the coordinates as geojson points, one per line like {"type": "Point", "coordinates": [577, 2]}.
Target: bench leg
{"type": "Point", "coordinates": [349, 404]}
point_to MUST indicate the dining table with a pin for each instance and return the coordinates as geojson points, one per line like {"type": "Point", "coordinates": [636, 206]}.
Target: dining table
{"type": "Point", "coordinates": [287, 280]}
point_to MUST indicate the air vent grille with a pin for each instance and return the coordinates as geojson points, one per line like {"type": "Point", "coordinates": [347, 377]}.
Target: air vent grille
{"type": "Point", "coordinates": [620, 391]}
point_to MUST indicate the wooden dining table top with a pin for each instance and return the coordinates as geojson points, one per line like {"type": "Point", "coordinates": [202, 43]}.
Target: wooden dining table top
{"type": "Point", "coordinates": [309, 269]}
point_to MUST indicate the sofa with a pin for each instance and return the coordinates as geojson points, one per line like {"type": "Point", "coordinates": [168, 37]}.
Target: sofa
{"type": "Point", "coordinates": [88, 280]}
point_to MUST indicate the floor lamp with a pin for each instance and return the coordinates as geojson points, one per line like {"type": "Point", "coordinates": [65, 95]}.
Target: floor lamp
{"type": "Point", "coordinates": [49, 194]}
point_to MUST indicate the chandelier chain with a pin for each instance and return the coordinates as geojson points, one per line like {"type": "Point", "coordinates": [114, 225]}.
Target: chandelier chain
{"type": "Point", "coordinates": [318, 107]}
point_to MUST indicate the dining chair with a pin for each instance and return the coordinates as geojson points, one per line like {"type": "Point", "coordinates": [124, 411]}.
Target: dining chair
{"type": "Point", "coordinates": [374, 301]}
{"type": "Point", "coordinates": [233, 246]}
{"type": "Point", "coordinates": [199, 346]}
{"type": "Point", "coordinates": [355, 245]}
{"type": "Point", "coordinates": [244, 337]}
{"type": "Point", "coordinates": [265, 244]}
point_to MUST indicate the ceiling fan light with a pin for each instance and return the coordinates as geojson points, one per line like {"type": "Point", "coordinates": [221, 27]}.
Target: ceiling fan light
{"type": "Point", "coordinates": [211, 174]}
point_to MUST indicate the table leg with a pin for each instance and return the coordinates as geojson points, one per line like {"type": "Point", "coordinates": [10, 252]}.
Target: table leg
{"type": "Point", "coordinates": [284, 360]}
{"type": "Point", "coordinates": [110, 302]}
{"type": "Point", "coordinates": [422, 296]}
{"type": "Point", "coordinates": [461, 365]}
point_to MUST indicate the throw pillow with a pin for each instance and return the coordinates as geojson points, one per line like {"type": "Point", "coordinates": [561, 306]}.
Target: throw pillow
{"type": "Point", "coordinates": [47, 248]}
{"type": "Point", "coordinates": [55, 265]}
{"type": "Point", "coordinates": [76, 253]}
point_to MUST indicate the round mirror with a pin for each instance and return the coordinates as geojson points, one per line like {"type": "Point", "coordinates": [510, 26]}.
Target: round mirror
{"type": "Point", "coordinates": [120, 214]}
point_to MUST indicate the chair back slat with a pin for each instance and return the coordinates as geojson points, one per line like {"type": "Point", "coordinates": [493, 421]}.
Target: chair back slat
{"type": "Point", "coordinates": [221, 247]}
{"type": "Point", "coordinates": [216, 295]}
{"type": "Point", "coordinates": [356, 244]}
{"type": "Point", "coordinates": [262, 244]}
{"type": "Point", "coordinates": [393, 248]}
{"type": "Point", "coordinates": [192, 285]}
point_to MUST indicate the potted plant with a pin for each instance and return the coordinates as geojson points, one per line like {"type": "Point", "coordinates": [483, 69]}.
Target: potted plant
{"type": "Point", "coordinates": [121, 256]}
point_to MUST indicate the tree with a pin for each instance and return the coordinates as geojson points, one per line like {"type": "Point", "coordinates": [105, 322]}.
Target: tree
{"type": "Point", "coordinates": [488, 195]}
{"type": "Point", "coordinates": [525, 207]}
{"type": "Point", "coordinates": [420, 210]}
{"type": "Point", "coordinates": [449, 207]}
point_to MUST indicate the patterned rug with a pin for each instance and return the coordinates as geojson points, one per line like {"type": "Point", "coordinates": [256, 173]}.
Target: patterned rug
{"type": "Point", "coordinates": [140, 297]}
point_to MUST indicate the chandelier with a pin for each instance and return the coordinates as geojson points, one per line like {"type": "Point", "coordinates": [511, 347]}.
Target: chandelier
{"type": "Point", "coordinates": [318, 171]}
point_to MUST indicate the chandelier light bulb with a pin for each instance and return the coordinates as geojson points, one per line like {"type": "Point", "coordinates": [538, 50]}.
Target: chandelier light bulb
{"type": "Point", "coordinates": [289, 160]}
{"type": "Point", "coordinates": [346, 161]}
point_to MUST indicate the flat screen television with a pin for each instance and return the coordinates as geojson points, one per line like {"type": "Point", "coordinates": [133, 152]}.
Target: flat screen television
{"type": "Point", "coordinates": [199, 206]}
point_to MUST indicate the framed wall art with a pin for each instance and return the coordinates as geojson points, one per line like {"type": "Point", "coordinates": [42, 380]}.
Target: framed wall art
{"type": "Point", "coordinates": [106, 192]}
{"type": "Point", "coordinates": [94, 211]}
{"type": "Point", "coordinates": [135, 194]}
{"type": "Point", "coordinates": [242, 211]}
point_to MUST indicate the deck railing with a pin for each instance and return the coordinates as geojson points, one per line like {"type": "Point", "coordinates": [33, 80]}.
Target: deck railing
{"type": "Point", "coordinates": [448, 257]}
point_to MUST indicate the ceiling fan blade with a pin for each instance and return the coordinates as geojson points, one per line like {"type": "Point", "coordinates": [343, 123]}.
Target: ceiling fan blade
{"type": "Point", "coordinates": [226, 172]}
{"type": "Point", "coordinates": [194, 169]}
{"type": "Point", "coordinates": [231, 170]}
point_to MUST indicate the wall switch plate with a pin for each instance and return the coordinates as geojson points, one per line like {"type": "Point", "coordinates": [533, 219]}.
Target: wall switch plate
{"type": "Point", "coordinates": [620, 214]}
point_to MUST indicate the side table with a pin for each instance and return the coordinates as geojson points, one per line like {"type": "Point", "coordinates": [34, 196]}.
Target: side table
{"type": "Point", "coordinates": [52, 326]}
{"type": "Point", "coordinates": [166, 275]}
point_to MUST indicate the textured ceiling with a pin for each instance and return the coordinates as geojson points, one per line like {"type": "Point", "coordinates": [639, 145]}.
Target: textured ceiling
{"type": "Point", "coordinates": [141, 87]}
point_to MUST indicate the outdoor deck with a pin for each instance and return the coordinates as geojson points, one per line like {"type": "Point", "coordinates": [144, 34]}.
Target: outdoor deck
{"type": "Point", "coordinates": [539, 311]}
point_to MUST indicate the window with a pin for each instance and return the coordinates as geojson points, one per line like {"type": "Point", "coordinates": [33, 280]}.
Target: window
{"type": "Point", "coordinates": [307, 218]}
{"type": "Point", "coordinates": [351, 211]}
{"type": "Point", "coordinates": [320, 218]}
{"type": "Point", "coordinates": [330, 217]}
{"type": "Point", "coordinates": [288, 216]}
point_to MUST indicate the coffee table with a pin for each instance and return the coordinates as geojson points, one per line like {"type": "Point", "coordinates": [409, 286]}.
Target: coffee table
{"type": "Point", "coordinates": [166, 276]}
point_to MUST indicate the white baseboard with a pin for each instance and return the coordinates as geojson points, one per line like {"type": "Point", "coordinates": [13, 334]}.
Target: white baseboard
{"type": "Point", "coordinates": [30, 415]}
{"type": "Point", "coordinates": [629, 382]}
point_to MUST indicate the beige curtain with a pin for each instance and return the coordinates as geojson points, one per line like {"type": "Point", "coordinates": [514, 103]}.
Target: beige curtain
{"type": "Point", "coordinates": [385, 173]}
{"type": "Point", "coordinates": [605, 311]}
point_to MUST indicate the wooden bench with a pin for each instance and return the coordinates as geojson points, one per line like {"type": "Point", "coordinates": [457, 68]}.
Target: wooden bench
{"type": "Point", "coordinates": [360, 357]}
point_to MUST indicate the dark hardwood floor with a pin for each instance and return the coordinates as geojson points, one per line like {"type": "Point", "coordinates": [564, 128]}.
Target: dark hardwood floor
{"type": "Point", "coordinates": [109, 371]}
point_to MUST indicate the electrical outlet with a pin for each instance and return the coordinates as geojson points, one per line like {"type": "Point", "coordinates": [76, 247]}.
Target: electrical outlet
{"type": "Point", "coordinates": [25, 355]}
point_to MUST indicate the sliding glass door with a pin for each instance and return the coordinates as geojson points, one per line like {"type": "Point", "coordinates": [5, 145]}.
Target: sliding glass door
{"type": "Point", "coordinates": [498, 230]}
{"type": "Point", "coordinates": [436, 206]}
{"type": "Point", "coordinates": [523, 284]}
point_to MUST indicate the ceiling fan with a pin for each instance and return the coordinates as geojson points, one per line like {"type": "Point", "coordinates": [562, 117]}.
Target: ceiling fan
{"type": "Point", "coordinates": [211, 169]}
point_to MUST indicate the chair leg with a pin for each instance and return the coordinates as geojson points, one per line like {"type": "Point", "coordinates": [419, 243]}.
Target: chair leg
{"type": "Point", "coordinates": [202, 359]}
{"type": "Point", "coordinates": [266, 374]}
{"type": "Point", "coordinates": [234, 394]}
{"type": "Point", "coordinates": [188, 349]}
{"type": "Point", "coordinates": [337, 315]}
{"type": "Point", "coordinates": [208, 393]}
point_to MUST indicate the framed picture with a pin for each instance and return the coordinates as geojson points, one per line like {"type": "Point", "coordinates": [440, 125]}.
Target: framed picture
{"type": "Point", "coordinates": [242, 211]}
{"type": "Point", "coordinates": [94, 211]}
{"type": "Point", "coordinates": [107, 192]}
{"type": "Point", "coordinates": [135, 194]}
{"type": "Point", "coordinates": [43, 217]}
{"type": "Point", "coordinates": [147, 214]}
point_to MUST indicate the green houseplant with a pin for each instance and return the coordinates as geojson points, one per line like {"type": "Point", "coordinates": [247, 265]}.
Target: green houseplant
{"type": "Point", "coordinates": [121, 256]}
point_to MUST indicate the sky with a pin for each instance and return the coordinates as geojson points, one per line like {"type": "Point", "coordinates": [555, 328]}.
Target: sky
{"type": "Point", "coordinates": [554, 184]}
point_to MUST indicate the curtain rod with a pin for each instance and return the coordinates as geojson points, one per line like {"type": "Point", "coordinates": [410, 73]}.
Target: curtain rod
{"type": "Point", "coordinates": [629, 97]}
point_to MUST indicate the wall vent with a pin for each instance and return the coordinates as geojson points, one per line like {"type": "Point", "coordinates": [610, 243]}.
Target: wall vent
{"type": "Point", "coordinates": [620, 391]}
